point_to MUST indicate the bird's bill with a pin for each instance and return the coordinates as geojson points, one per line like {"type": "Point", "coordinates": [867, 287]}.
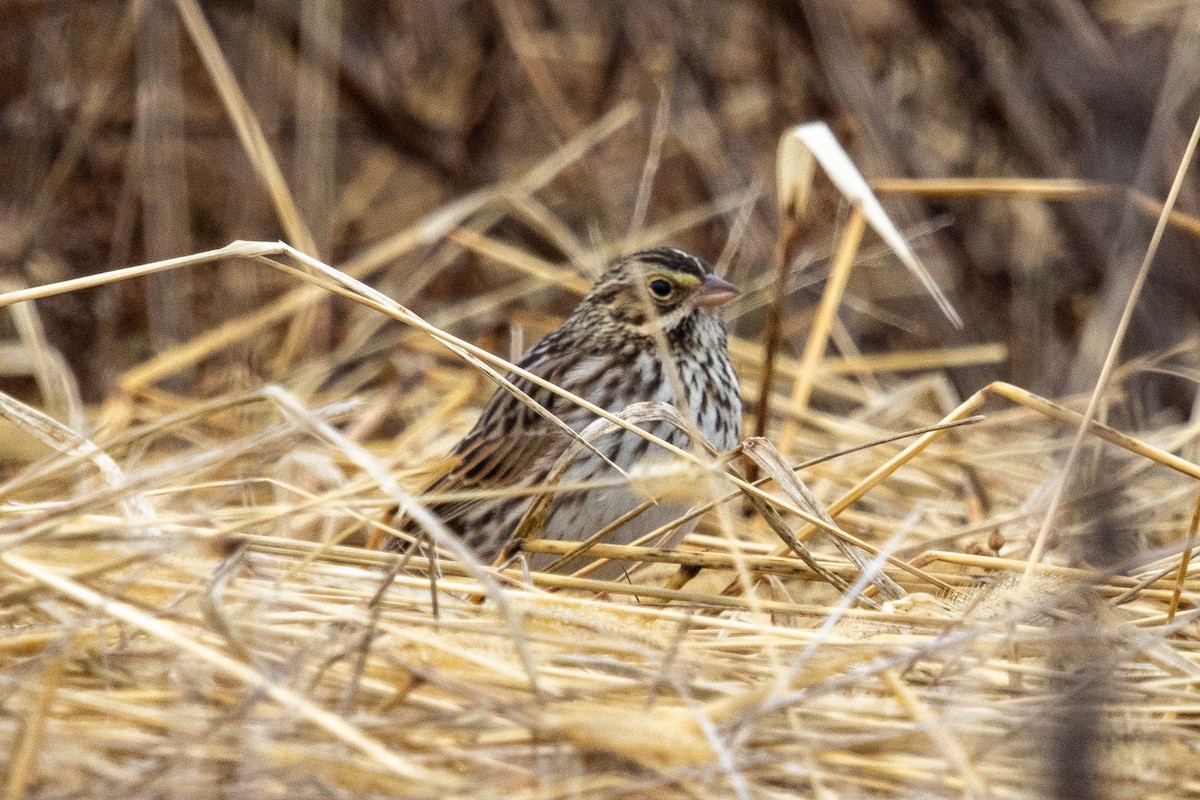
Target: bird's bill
{"type": "Point", "coordinates": [714, 291]}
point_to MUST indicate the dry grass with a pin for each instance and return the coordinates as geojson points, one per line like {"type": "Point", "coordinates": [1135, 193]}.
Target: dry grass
{"type": "Point", "coordinates": [184, 623]}
{"type": "Point", "coordinates": [187, 613]}
{"type": "Point", "coordinates": [892, 590]}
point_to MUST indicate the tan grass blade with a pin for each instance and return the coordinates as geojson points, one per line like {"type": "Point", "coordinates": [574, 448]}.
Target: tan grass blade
{"type": "Point", "coordinates": [773, 465]}
{"type": "Point", "coordinates": [66, 441]}
{"type": "Point", "coordinates": [805, 146]}
{"type": "Point", "coordinates": [245, 122]}
{"type": "Point", "coordinates": [818, 336]}
{"type": "Point", "coordinates": [58, 386]}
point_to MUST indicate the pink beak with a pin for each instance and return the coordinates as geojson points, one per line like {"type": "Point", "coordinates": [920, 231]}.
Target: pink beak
{"type": "Point", "coordinates": [714, 292]}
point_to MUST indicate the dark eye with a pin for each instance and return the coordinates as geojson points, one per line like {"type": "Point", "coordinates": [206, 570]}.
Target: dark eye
{"type": "Point", "coordinates": [660, 287]}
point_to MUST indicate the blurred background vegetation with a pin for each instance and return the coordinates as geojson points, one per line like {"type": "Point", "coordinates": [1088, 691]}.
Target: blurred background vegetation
{"type": "Point", "coordinates": [116, 149]}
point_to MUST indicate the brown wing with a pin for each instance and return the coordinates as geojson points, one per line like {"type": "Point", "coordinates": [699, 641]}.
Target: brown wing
{"type": "Point", "coordinates": [510, 441]}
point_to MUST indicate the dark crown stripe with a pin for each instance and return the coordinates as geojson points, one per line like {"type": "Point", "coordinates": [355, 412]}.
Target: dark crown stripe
{"type": "Point", "coordinates": [672, 259]}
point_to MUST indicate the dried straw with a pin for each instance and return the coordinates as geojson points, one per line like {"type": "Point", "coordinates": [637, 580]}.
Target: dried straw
{"type": "Point", "coordinates": [190, 606]}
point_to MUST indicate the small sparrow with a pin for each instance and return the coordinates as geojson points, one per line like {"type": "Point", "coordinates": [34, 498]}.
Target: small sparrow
{"type": "Point", "coordinates": [609, 352]}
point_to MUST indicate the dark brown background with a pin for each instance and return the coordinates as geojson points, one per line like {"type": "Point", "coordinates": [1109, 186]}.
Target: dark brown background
{"type": "Point", "coordinates": [411, 103]}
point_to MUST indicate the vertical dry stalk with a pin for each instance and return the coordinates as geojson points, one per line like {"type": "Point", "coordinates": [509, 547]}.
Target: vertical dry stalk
{"type": "Point", "coordinates": [161, 135]}
{"type": "Point", "coordinates": [784, 248]}
{"type": "Point", "coordinates": [315, 173]}
{"type": "Point", "coordinates": [818, 336]}
{"type": "Point", "coordinates": [1184, 562]}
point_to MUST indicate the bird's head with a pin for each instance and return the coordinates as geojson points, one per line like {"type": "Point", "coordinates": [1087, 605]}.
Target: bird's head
{"type": "Point", "coordinates": [660, 287]}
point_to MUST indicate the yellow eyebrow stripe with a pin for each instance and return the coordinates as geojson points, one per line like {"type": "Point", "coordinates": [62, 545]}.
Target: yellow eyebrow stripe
{"type": "Point", "coordinates": [680, 279]}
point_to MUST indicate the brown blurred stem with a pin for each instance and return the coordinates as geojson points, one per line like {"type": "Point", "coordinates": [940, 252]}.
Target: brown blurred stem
{"type": "Point", "coordinates": [793, 226]}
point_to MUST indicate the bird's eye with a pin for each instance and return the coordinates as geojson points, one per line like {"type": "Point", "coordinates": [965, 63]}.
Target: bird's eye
{"type": "Point", "coordinates": [660, 287]}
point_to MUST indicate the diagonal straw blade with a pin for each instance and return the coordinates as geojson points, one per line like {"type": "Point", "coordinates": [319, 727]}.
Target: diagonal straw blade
{"type": "Point", "coordinates": [805, 146]}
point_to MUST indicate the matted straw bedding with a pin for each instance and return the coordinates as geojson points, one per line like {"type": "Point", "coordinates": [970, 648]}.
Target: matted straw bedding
{"type": "Point", "coordinates": [195, 605]}
{"type": "Point", "coordinates": [189, 610]}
